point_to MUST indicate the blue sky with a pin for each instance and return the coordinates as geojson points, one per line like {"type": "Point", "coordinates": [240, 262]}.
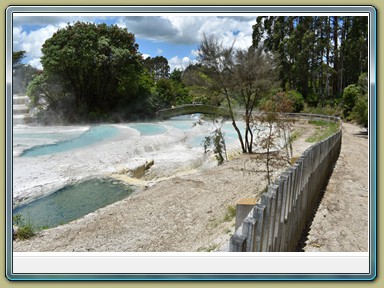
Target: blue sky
{"type": "Point", "coordinates": [176, 37]}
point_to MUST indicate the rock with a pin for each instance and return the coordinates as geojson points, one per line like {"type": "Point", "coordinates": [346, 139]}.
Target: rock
{"type": "Point", "coordinates": [137, 168]}
{"type": "Point", "coordinates": [149, 164]}
{"type": "Point", "coordinates": [15, 230]}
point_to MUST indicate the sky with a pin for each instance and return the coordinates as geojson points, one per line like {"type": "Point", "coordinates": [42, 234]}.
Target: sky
{"type": "Point", "coordinates": [175, 37]}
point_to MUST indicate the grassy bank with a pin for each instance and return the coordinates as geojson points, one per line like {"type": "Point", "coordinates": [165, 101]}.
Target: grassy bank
{"type": "Point", "coordinates": [323, 129]}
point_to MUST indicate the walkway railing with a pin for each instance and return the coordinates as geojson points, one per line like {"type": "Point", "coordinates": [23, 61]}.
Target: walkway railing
{"type": "Point", "coordinates": [192, 109]}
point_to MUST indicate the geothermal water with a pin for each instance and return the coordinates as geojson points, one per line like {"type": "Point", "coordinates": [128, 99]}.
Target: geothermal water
{"type": "Point", "coordinates": [52, 163]}
{"type": "Point", "coordinates": [72, 202]}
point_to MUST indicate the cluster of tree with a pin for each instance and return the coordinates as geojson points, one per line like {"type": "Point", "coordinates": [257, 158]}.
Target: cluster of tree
{"type": "Point", "coordinates": [90, 72]}
{"type": "Point", "coordinates": [319, 55]}
{"type": "Point", "coordinates": [169, 90]}
{"type": "Point", "coordinates": [94, 72]}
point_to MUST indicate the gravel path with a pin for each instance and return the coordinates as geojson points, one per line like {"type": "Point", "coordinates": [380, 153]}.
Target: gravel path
{"type": "Point", "coordinates": [341, 221]}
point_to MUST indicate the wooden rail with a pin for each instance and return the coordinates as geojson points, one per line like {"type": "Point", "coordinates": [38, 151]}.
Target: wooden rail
{"type": "Point", "coordinates": [192, 109]}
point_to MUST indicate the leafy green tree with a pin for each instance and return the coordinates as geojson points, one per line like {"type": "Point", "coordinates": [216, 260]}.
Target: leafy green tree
{"type": "Point", "coordinates": [170, 91]}
{"type": "Point", "coordinates": [97, 67]}
{"type": "Point", "coordinates": [195, 77]}
{"type": "Point", "coordinates": [350, 95]}
{"type": "Point", "coordinates": [319, 55]}
{"type": "Point", "coordinates": [359, 112]}
{"type": "Point", "coordinates": [17, 58]}
{"type": "Point", "coordinates": [158, 67]}
{"type": "Point", "coordinates": [297, 100]}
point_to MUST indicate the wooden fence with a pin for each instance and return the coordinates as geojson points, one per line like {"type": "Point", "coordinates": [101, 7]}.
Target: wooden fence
{"type": "Point", "coordinates": [276, 222]}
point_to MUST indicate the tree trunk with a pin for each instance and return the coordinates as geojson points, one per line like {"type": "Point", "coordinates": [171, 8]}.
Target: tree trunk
{"type": "Point", "coordinates": [336, 58]}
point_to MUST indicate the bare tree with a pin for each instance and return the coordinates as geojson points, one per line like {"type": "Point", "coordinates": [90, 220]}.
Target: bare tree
{"type": "Point", "coordinates": [241, 76]}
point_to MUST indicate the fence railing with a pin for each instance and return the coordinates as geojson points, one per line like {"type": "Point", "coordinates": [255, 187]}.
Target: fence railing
{"type": "Point", "coordinates": [276, 222]}
{"type": "Point", "coordinates": [191, 109]}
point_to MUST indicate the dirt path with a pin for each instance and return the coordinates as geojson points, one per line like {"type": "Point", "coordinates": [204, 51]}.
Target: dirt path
{"type": "Point", "coordinates": [341, 221]}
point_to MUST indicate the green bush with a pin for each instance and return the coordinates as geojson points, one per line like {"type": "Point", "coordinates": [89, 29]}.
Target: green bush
{"type": "Point", "coordinates": [350, 95]}
{"type": "Point", "coordinates": [24, 230]}
{"type": "Point", "coordinates": [359, 112]}
{"type": "Point", "coordinates": [297, 100]}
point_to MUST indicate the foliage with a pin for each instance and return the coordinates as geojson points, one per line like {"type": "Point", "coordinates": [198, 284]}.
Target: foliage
{"type": "Point", "coordinates": [195, 77]}
{"type": "Point", "coordinates": [328, 109]}
{"type": "Point", "coordinates": [271, 126]}
{"type": "Point", "coordinates": [359, 112]}
{"type": "Point", "coordinates": [53, 103]}
{"type": "Point", "coordinates": [158, 67]}
{"type": "Point", "coordinates": [17, 58]}
{"type": "Point", "coordinates": [350, 95]}
{"type": "Point", "coordinates": [24, 230]}
{"type": "Point", "coordinates": [216, 143]}
{"type": "Point", "coordinates": [17, 219]}
{"type": "Point", "coordinates": [94, 69]}
{"type": "Point", "coordinates": [319, 55]}
{"type": "Point", "coordinates": [297, 100]}
{"type": "Point", "coordinates": [170, 92]}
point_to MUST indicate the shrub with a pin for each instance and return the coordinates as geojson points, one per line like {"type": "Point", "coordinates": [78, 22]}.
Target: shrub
{"type": "Point", "coordinates": [297, 100]}
{"type": "Point", "coordinates": [350, 95]}
{"type": "Point", "coordinates": [216, 143]}
{"type": "Point", "coordinates": [24, 230]}
{"type": "Point", "coordinates": [359, 112]}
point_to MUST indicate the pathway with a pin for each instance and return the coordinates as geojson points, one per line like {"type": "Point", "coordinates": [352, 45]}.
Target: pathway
{"type": "Point", "coordinates": [341, 221]}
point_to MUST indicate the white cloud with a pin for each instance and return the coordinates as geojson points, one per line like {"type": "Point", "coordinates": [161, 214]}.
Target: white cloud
{"type": "Point", "coordinates": [40, 21]}
{"type": "Point", "coordinates": [194, 52]}
{"type": "Point", "coordinates": [192, 29]}
{"type": "Point", "coordinates": [180, 63]}
{"type": "Point", "coordinates": [36, 63]}
{"type": "Point", "coordinates": [159, 51]}
{"type": "Point", "coordinates": [148, 27]}
{"type": "Point", "coordinates": [189, 30]}
{"type": "Point", "coordinates": [32, 42]}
